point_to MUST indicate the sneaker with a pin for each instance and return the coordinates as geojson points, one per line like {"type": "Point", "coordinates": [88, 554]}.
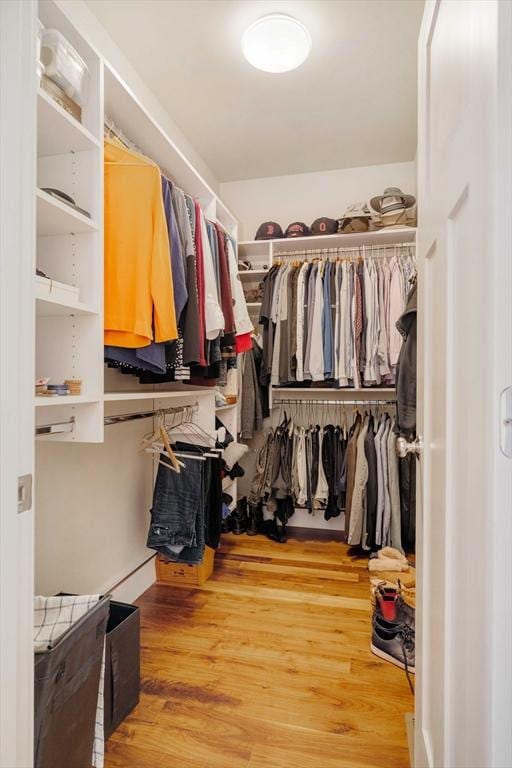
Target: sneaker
{"type": "Point", "coordinates": [394, 643]}
{"type": "Point", "coordinates": [385, 602]}
{"type": "Point", "coordinates": [392, 607]}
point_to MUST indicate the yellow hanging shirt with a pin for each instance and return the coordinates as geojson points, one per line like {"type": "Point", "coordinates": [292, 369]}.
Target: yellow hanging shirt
{"type": "Point", "coordinates": [139, 300]}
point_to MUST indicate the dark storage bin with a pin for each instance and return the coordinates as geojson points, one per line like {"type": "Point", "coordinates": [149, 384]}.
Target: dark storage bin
{"type": "Point", "coordinates": [122, 664]}
{"type": "Point", "coordinates": [66, 693]}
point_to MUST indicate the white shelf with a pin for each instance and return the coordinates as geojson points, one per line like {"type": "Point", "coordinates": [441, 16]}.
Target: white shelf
{"type": "Point", "coordinates": [119, 396]}
{"type": "Point", "coordinates": [253, 273]}
{"type": "Point", "coordinates": [387, 236]}
{"type": "Point", "coordinates": [56, 218]}
{"type": "Point", "coordinates": [58, 132]}
{"type": "Point", "coordinates": [226, 407]}
{"type": "Point", "coordinates": [46, 402]}
{"type": "Point", "coordinates": [54, 306]}
{"type": "Point", "coordinates": [255, 248]}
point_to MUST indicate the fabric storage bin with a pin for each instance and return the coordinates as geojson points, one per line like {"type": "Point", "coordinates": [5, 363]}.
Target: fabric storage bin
{"type": "Point", "coordinates": [66, 684]}
{"type": "Point", "coordinates": [184, 573]}
{"type": "Point", "coordinates": [122, 664]}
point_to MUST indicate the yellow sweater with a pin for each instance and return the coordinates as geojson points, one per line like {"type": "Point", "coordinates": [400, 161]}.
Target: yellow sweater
{"type": "Point", "coordinates": [138, 281]}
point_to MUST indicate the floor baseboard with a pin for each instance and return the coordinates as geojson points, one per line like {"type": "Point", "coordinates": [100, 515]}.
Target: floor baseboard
{"type": "Point", "coordinates": [313, 534]}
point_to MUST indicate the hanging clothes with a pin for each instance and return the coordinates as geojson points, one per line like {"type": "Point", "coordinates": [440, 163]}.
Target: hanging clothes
{"type": "Point", "coordinates": [139, 299]}
{"type": "Point", "coordinates": [174, 306]}
{"type": "Point", "coordinates": [329, 470]}
{"type": "Point", "coordinates": [333, 321]}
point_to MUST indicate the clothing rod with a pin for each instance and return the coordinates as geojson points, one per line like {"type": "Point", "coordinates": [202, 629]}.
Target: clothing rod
{"type": "Point", "coordinates": [60, 427]}
{"type": "Point", "coordinates": [334, 402]}
{"type": "Point", "coordinates": [362, 250]}
{"type": "Point", "coordinates": [55, 429]}
{"type": "Point", "coordinates": [122, 417]}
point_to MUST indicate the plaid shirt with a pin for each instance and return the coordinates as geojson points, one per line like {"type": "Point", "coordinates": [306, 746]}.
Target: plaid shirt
{"type": "Point", "coordinates": [52, 617]}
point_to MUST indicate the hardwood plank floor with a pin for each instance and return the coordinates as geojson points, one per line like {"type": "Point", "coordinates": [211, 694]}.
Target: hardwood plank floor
{"type": "Point", "coordinates": [267, 665]}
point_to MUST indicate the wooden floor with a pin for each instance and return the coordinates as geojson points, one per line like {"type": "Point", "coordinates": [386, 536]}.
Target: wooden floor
{"type": "Point", "coordinates": [267, 665]}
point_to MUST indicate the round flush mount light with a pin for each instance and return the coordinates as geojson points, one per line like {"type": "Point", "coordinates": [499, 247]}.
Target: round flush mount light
{"type": "Point", "coordinates": [276, 43]}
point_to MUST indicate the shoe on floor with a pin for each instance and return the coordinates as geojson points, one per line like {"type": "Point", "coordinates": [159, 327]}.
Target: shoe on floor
{"type": "Point", "coordinates": [394, 643]}
{"type": "Point", "coordinates": [392, 607]}
{"type": "Point", "coordinates": [239, 519]}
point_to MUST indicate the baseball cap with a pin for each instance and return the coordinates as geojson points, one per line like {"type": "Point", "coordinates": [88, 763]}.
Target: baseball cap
{"type": "Point", "coordinates": [269, 230]}
{"type": "Point", "coordinates": [297, 229]}
{"type": "Point", "coordinates": [324, 226]}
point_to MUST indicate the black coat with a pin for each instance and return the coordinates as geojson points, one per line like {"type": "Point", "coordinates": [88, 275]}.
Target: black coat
{"type": "Point", "coordinates": [406, 369]}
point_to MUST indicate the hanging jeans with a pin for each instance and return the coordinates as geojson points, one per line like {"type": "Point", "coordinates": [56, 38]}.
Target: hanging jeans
{"type": "Point", "coordinates": [176, 500]}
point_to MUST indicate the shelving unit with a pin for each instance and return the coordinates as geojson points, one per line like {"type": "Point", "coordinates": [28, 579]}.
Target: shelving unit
{"type": "Point", "coordinates": [69, 330]}
{"type": "Point", "coordinates": [265, 251]}
{"type": "Point", "coordinates": [262, 253]}
{"type": "Point", "coordinates": [69, 341]}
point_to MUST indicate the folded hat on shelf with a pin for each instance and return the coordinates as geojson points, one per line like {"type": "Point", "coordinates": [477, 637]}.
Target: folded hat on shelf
{"type": "Point", "coordinates": [394, 208]}
{"type": "Point", "coordinates": [355, 219]}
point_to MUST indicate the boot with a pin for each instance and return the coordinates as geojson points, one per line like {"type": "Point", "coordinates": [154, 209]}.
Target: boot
{"type": "Point", "coordinates": [255, 514]}
{"type": "Point", "coordinates": [239, 519]}
{"type": "Point", "coordinates": [225, 525]}
{"type": "Point", "coordinates": [275, 531]}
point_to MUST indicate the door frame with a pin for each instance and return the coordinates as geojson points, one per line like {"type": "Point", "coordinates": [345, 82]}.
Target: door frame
{"type": "Point", "coordinates": [17, 371]}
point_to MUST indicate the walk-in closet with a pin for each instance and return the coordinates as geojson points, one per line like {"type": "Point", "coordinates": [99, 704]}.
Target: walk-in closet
{"type": "Point", "coordinates": [255, 383]}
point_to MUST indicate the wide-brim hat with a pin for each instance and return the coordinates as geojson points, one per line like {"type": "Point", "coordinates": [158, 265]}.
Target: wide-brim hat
{"type": "Point", "coordinates": [355, 211]}
{"type": "Point", "coordinates": [393, 199]}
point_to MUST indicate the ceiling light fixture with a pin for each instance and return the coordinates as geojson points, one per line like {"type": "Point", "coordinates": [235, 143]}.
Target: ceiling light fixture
{"type": "Point", "coordinates": [276, 43]}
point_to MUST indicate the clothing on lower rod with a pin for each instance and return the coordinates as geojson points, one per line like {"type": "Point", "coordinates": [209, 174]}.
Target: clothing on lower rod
{"type": "Point", "coordinates": [326, 469]}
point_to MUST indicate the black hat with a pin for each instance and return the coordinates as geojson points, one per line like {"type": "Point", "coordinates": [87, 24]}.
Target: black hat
{"type": "Point", "coordinates": [297, 229]}
{"type": "Point", "coordinates": [324, 226]}
{"type": "Point", "coordinates": [269, 230]}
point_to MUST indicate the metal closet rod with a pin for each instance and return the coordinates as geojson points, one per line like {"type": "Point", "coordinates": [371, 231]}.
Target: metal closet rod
{"type": "Point", "coordinates": [69, 426]}
{"type": "Point", "coordinates": [360, 249]}
{"type": "Point", "coordinates": [337, 402]}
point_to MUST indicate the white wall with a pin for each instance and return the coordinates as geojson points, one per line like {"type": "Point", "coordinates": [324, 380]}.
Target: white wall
{"type": "Point", "coordinates": [92, 512]}
{"type": "Point", "coordinates": [306, 196]}
{"type": "Point", "coordinates": [98, 38]}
